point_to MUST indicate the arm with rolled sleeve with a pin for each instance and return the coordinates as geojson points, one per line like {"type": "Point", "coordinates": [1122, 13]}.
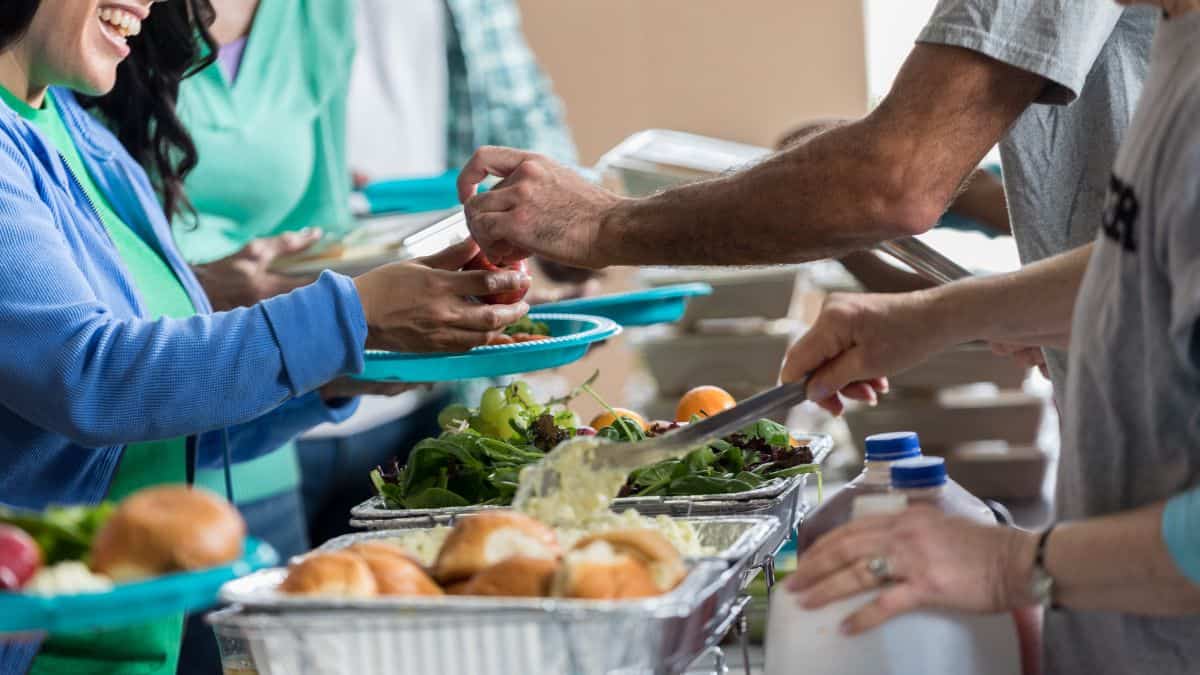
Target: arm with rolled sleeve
{"type": "Point", "coordinates": [70, 366]}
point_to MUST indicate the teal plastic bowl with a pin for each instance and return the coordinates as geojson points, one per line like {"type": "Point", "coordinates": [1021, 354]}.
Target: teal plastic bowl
{"type": "Point", "coordinates": [573, 335]}
{"type": "Point", "coordinates": [129, 604]}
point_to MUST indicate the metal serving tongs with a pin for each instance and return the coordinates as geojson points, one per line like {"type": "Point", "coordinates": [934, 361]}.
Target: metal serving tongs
{"type": "Point", "coordinates": [925, 260]}
{"type": "Point", "coordinates": [629, 456]}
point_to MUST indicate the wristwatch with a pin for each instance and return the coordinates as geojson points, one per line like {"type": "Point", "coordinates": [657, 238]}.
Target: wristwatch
{"type": "Point", "coordinates": [1041, 586]}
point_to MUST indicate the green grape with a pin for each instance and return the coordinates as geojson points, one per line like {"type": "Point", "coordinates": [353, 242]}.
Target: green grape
{"type": "Point", "coordinates": [479, 425]}
{"type": "Point", "coordinates": [453, 416]}
{"type": "Point", "coordinates": [491, 404]}
{"type": "Point", "coordinates": [521, 393]}
{"type": "Point", "coordinates": [566, 419]}
{"type": "Point", "coordinates": [511, 414]}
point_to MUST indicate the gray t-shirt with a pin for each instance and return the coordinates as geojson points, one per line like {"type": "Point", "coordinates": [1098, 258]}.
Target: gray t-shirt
{"type": "Point", "coordinates": [1131, 433]}
{"type": "Point", "coordinates": [1058, 155]}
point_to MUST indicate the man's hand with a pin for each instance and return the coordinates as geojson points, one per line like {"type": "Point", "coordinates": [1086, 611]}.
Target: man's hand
{"type": "Point", "coordinates": [1026, 357]}
{"type": "Point", "coordinates": [427, 305]}
{"type": "Point", "coordinates": [540, 207]}
{"type": "Point", "coordinates": [858, 340]}
{"type": "Point", "coordinates": [245, 278]}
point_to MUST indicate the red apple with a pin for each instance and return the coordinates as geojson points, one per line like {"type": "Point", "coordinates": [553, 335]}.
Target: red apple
{"type": "Point", "coordinates": [20, 558]}
{"type": "Point", "coordinates": [480, 262]}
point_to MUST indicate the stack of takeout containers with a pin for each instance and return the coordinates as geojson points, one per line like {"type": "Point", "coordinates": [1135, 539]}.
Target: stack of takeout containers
{"type": "Point", "coordinates": [968, 405]}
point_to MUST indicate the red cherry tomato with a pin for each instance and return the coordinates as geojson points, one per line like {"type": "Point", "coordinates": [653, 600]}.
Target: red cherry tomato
{"type": "Point", "coordinates": [480, 262]}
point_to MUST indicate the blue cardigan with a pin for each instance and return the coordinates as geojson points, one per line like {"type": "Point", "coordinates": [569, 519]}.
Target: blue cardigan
{"type": "Point", "coordinates": [83, 372]}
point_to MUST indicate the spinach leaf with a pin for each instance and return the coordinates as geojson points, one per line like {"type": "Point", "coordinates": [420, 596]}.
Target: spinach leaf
{"type": "Point", "coordinates": [770, 432]}
{"type": "Point", "coordinates": [655, 473]}
{"type": "Point", "coordinates": [623, 430]}
{"type": "Point", "coordinates": [435, 498]}
{"type": "Point", "coordinates": [706, 485]}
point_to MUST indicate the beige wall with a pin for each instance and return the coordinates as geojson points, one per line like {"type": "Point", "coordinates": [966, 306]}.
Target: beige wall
{"type": "Point", "coordinates": [739, 69]}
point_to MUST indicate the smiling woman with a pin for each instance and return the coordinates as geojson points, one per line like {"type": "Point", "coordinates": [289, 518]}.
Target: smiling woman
{"type": "Point", "coordinates": [133, 84]}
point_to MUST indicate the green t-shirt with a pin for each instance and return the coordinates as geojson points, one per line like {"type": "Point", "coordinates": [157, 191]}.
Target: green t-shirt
{"type": "Point", "coordinates": [152, 648]}
{"type": "Point", "coordinates": [272, 160]}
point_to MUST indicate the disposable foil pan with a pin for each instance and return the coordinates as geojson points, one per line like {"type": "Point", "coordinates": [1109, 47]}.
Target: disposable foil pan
{"type": "Point", "coordinates": [775, 498]}
{"type": "Point", "coordinates": [482, 636]}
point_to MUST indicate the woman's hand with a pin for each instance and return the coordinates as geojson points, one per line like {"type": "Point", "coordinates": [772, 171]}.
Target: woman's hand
{"type": "Point", "coordinates": [933, 560]}
{"type": "Point", "coordinates": [858, 340]}
{"type": "Point", "coordinates": [427, 305]}
{"type": "Point", "coordinates": [245, 278]}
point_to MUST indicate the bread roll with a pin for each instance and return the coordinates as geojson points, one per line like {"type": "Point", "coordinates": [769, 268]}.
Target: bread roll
{"type": "Point", "coordinates": [651, 548]}
{"type": "Point", "coordinates": [394, 571]}
{"type": "Point", "coordinates": [484, 539]}
{"type": "Point", "coordinates": [167, 529]}
{"type": "Point", "coordinates": [517, 577]}
{"type": "Point", "coordinates": [335, 573]}
{"type": "Point", "coordinates": [598, 572]}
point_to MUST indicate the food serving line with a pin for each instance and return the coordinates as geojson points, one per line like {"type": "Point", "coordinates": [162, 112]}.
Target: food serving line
{"type": "Point", "coordinates": [267, 631]}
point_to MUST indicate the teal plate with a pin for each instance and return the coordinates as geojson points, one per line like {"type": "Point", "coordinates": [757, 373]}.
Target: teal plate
{"type": "Point", "coordinates": [573, 335]}
{"type": "Point", "coordinates": [413, 195]}
{"type": "Point", "coordinates": [128, 604]}
{"type": "Point", "coordinates": [665, 304]}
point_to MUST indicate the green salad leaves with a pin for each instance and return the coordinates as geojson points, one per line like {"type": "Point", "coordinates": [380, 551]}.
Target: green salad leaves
{"type": "Point", "coordinates": [479, 456]}
{"type": "Point", "coordinates": [528, 326]}
{"type": "Point", "coordinates": [743, 461]}
{"type": "Point", "coordinates": [61, 532]}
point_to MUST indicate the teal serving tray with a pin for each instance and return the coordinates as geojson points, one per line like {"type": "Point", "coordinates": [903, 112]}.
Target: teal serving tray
{"type": "Point", "coordinates": [665, 304]}
{"type": "Point", "coordinates": [413, 195]}
{"type": "Point", "coordinates": [128, 604]}
{"type": "Point", "coordinates": [573, 335]}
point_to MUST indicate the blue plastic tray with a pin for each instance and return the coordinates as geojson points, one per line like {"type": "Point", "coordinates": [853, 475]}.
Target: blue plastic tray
{"type": "Point", "coordinates": [665, 304]}
{"type": "Point", "coordinates": [573, 334]}
{"type": "Point", "coordinates": [128, 604]}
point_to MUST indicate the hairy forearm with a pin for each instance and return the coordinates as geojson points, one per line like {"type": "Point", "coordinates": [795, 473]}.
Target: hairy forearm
{"type": "Point", "coordinates": [1119, 563]}
{"type": "Point", "coordinates": [888, 175]}
{"type": "Point", "coordinates": [1032, 306]}
{"type": "Point", "coordinates": [819, 199]}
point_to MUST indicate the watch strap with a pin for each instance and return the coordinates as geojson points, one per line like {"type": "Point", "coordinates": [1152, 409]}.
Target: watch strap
{"type": "Point", "coordinates": [1039, 566]}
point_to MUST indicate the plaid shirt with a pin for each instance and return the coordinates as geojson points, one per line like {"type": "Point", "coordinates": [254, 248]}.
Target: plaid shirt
{"type": "Point", "coordinates": [498, 93]}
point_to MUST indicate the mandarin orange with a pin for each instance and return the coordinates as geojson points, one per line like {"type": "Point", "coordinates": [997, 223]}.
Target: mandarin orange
{"type": "Point", "coordinates": [703, 401]}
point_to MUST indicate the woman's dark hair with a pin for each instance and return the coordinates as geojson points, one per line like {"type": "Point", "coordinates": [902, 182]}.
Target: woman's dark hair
{"type": "Point", "coordinates": [174, 43]}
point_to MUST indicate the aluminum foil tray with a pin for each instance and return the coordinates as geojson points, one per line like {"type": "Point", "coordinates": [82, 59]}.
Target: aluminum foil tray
{"type": "Point", "coordinates": [482, 636]}
{"type": "Point", "coordinates": [471, 637]}
{"type": "Point", "coordinates": [769, 499]}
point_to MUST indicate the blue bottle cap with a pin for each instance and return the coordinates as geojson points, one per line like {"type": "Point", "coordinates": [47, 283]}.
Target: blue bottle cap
{"type": "Point", "coordinates": [892, 446]}
{"type": "Point", "coordinates": [919, 472]}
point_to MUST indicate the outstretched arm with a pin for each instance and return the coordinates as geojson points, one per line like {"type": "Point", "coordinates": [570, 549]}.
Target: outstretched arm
{"type": "Point", "coordinates": [887, 175]}
{"type": "Point", "coordinates": [863, 337]}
